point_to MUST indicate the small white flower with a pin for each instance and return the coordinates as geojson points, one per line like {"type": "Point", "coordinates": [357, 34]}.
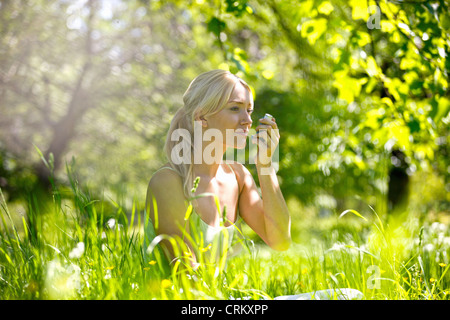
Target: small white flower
{"type": "Point", "coordinates": [440, 238]}
{"type": "Point", "coordinates": [111, 223]}
{"type": "Point", "coordinates": [77, 252]}
{"type": "Point", "coordinates": [438, 227]}
{"type": "Point", "coordinates": [338, 246]}
{"type": "Point", "coordinates": [62, 281]}
{"type": "Point", "coordinates": [446, 242]}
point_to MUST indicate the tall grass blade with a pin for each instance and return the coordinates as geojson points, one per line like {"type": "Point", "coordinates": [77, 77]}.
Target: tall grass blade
{"type": "Point", "coordinates": [378, 217]}
{"type": "Point", "coordinates": [356, 213]}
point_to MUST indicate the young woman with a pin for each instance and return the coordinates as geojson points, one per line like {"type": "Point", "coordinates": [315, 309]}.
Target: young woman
{"type": "Point", "coordinates": [216, 115]}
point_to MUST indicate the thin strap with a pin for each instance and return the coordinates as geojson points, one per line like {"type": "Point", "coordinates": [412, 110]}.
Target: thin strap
{"type": "Point", "coordinates": [235, 175]}
{"type": "Point", "coordinates": [170, 168]}
{"type": "Point", "coordinates": [239, 195]}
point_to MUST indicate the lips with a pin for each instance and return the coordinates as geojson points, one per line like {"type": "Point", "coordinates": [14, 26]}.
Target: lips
{"type": "Point", "coordinates": [242, 132]}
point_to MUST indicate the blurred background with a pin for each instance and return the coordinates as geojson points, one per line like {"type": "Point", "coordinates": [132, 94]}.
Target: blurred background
{"type": "Point", "coordinates": [359, 90]}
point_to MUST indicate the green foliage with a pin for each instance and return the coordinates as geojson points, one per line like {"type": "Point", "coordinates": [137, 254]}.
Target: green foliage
{"type": "Point", "coordinates": [348, 82]}
{"type": "Point", "coordinates": [388, 65]}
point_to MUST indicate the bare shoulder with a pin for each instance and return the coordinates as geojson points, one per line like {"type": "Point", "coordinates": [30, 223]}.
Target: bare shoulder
{"type": "Point", "coordinates": [166, 189]}
{"type": "Point", "coordinates": [243, 175]}
{"type": "Point", "coordinates": [238, 167]}
{"type": "Point", "coordinates": [162, 182]}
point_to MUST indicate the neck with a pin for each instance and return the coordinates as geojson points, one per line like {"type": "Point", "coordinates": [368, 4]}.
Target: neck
{"type": "Point", "coordinates": [211, 160]}
{"type": "Point", "coordinates": [208, 154]}
{"type": "Point", "coordinates": [206, 170]}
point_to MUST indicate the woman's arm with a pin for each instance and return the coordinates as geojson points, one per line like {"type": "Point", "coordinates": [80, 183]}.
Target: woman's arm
{"type": "Point", "coordinates": [276, 215]}
{"type": "Point", "coordinates": [269, 216]}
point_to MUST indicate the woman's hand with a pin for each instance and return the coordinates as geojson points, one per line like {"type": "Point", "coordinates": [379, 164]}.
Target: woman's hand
{"type": "Point", "coordinates": [267, 139]}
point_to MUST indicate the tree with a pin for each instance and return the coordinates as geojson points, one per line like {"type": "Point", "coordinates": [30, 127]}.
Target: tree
{"type": "Point", "coordinates": [349, 82]}
{"type": "Point", "coordinates": [388, 65]}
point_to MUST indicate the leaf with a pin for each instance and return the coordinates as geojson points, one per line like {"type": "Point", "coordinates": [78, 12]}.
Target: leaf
{"type": "Point", "coordinates": [54, 248]}
{"type": "Point", "coordinates": [396, 87]}
{"type": "Point", "coordinates": [419, 258]}
{"type": "Point", "coordinates": [216, 26]}
{"type": "Point", "coordinates": [440, 108]}
{"type": "Point", "coordinates": [387, 26]}
{"type": "Point", "coordinates": [216, 200]}
{"type": "Point", "coordinates": [443, 273]}
{"type": "Point", "coordinates": [408, 63]}
{"type": "Point", "coordinates": [387, 101]}
{"type": "Point", "coordinates": [359, 9]}
{"type": "Point", "coordinates": [7, 257]}
{"type": "Point", "coordinates": [371, 85]}
{"type": "Point", "coordinates": [414, 125]}
{"type": "Point", "coordinates": [239, 57]}
{"type": "Point", "coordinates": [363, 251]}
{"type": "Point", "coordinates": [188, 212]}
{"type": "Point", "coordinates": [378, 217]}
{"type": "Point", "coordinates": [267, 74]}
{"type": "Point", "coordinates": [372, 68]}
{"type": "Point", "coordinates": [25, 228]}
{"type": "Point", "coordinates": [237, 7]}
{"type": "Point", "coordinates": [241, 65]}
{"type": "Point", "coordinates": [91, 202]}
{"type": "Point", "coordinates": [400, 133]}
{"type": "Point", "coordinates": [41, 156]}
{"type": "Point", "coordinates": [363, 38]}
{"type": "Point", "coordinates": [348, 87]}
{"type": "Point", "coordinates": [325, 8]}
{"type": "Point", "coordinates": [313, 29]}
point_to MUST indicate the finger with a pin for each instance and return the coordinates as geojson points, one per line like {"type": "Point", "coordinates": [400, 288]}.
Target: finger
{"type": "Point", "coordinates": [260, 140]}
{"type": "Point", "coordinates": [263, 127]}
{"type": "Point", "coordinates": [270, 122]}
{"type": "Point", "coordinates": [270, 130]}
{"type": "Point", "coordinates": [270, 141]}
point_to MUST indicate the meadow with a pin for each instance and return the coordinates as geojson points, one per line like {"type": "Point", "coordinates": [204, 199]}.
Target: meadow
{"type": "Point", "coordinates": [79, 247]}
{"type": "Point", "coordinates": [359, 90]}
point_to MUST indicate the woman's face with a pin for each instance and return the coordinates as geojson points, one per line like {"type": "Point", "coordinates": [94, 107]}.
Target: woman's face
{"type": "Point", "coordinates": [234, 120]}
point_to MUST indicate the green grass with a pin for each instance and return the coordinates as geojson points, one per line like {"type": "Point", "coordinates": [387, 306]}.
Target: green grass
{"type": "Point", "coordinates": [77, 247]}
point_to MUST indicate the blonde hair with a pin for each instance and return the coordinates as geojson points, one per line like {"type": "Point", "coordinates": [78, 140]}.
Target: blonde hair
{"type": "Point", "coordinates": [207, 94]}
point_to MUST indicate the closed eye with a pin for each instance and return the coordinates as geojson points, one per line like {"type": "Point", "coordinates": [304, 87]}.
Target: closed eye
{"type": "Point", "coordinates": [235, 108]}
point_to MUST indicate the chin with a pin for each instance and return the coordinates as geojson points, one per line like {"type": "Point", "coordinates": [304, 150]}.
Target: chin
{"type": "Point", "coordinates": [238, 142]}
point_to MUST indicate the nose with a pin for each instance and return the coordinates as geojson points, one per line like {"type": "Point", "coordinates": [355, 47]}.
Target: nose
{"type": "Point", "coordinates": [246, 119]}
